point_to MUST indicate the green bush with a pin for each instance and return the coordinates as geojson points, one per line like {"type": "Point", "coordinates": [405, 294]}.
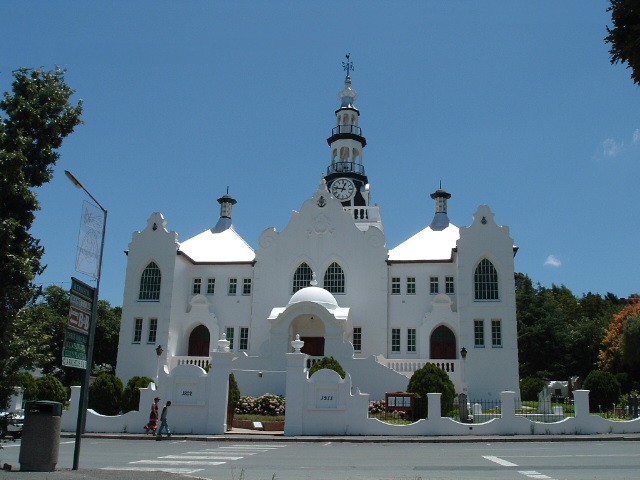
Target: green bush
{"type": "Point", "coordinates": [50, 388]}
{"type": "Point", "coordinates": [131, 393]}
{"type": "Point", "coordinates": [604, 390]}
{"type": "Point", "coordinates": [234, 391]}
{"type": "Point", "coordinates": [431, 379]}
{"type": "Point", "coordinates": [530, 387]}
{"type": "Point", "coordinates": [105, 394]}
{"type": "Point", "coordinates": [329, 363]}
{"type": "Point", "coordinates": [29, 386]}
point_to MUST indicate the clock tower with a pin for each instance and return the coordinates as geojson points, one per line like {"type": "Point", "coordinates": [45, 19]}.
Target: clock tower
{"type": "Point", "coordinates": [346, 178]}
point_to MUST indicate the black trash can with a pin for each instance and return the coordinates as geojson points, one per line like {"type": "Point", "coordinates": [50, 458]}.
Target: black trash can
{"type": "Point", "coordinates": [40, 436]}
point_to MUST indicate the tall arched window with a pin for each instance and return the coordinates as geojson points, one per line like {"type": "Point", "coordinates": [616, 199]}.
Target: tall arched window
{"type": "Point", "coordinates": [334, 279]}
{"type": "Point", "coordinates": [486, 281]}
{"type": "Point", "coordinates": [302, 277]}
{"type": "Point", "coordinates": [150, 283]}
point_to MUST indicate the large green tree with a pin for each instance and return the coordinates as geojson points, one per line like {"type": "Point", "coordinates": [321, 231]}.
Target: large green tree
{"type": "Point", "coordinates": [624, 35]}
{"type": "Point", "coordinates": [47, 320]}
{"type": "Point", "coordinates": [559, 335]}
{"type": "Point", "coordinates": [35, 117]}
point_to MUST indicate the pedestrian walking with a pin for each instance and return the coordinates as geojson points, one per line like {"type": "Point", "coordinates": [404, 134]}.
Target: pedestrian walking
{"type": "Point", "coordinates": [163, 421]}
{"type": "Point", "coordinates": [152, 426]}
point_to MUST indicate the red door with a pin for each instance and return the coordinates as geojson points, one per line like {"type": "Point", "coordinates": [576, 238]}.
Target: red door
{"type": "Point", "coordinates": [199, 342]}
{"type": "Point", "coordinates": [313, 346]}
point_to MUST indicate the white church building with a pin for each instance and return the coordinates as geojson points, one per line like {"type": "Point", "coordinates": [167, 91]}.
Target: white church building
{"type": "Point", "coordinates": [444, 296]}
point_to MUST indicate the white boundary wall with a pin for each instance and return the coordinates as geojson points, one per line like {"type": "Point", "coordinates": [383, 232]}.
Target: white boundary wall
{"type": "Point", "coordinates": [324, 404]}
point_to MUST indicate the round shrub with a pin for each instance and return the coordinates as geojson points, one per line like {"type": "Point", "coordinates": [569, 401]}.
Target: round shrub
{"type": "Point", "coordinates": [329, 363]}
{"type": "Point", "coordinates": [604, 390]}
{"type": "Point", "coordinates": [431, 379]}
{"type": "Point", "coordinates": [530, 387]}
{"type": "Point", "coordinates": [52, 389]}
{"type": "Point", "coordinates": [105, 394]}
{"type": "Point", "coordinates": [29, 386]}
{"type": "Point", "coordinates": [131, 393]}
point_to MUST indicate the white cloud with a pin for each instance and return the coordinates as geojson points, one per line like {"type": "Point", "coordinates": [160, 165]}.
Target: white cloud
{"type": "Point", "coordinates": [636, 136]}
{"type": "Point", "coordinates": [612, 147]}
{"type": "Point", "coordinates": [553, 261]}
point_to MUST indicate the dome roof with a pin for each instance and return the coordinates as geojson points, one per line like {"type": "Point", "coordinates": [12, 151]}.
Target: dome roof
{"type": "Point", "coordinates": [316, 295]}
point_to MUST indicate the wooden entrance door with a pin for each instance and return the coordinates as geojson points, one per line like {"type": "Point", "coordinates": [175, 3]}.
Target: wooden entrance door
{"type": "Point", "coordinates": [313, 346]}
{"type": "Point", "coordinates": [199, 342]}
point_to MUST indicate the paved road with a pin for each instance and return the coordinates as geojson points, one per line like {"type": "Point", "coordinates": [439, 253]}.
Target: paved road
{"type": "Point", "coordinates": [235, 458]}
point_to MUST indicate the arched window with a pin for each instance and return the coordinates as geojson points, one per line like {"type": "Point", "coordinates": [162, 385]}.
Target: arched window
{"type": "Point", "coordinates": [486, 281]}
{"type": "Point", "coordinates": [302, 277]}
{"type": "Point", "coordinates": [334, 279]}
{"type": "Point", "coordinates": [150, 283]}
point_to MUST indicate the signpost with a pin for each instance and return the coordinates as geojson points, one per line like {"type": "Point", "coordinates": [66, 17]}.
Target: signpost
{"type": "Point", "coordinates": [76, 339]}
{"type": "Point", "coordinates": [84, 299]}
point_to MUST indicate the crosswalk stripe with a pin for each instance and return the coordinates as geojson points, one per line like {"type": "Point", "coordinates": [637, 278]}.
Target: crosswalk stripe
{"type": "Point", "coordinates": [179, 462]}
{"type": "Point", "coordinates": [499, 461]}
{"type": "Point", "coordinates": [534, 474]}
{"type": "Point", "coordinates": [187, 471]}
{"type": "Point", "coordinates": [240, 447]}
{"type": "Point", "coordinates": [202, 457]}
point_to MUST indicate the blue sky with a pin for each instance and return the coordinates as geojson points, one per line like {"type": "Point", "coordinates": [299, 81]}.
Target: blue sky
{"type": "Point", "coordinates": [513, 104]}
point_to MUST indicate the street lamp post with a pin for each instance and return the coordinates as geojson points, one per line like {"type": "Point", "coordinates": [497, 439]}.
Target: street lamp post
{"type": "Point", "coordinates": [463, 354]}
{"type": "Point", "coordinates": [84, 397]}
{"type": "Point", "coordinates": [159, 351]}
{"type": "Point", "coordinates": [462, 398]}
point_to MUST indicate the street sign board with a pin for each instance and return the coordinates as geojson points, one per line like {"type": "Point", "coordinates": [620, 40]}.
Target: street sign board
{"type": "Point", "coordinates": [76, 339]}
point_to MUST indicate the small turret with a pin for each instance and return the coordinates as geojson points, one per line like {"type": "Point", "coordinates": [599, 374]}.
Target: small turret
{"type": "Point", "coordinates": [226, 206]}
{"type": "Point", "coordinates": [440, 219]}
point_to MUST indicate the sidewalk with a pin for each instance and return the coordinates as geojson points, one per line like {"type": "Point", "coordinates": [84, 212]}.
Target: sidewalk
{"type": "Point", "coordinates": [244, 435]}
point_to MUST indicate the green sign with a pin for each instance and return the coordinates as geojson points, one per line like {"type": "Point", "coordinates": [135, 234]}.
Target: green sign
{"type": "Point", "coordinates": [75, 350]}
{"type": "Point", "coordinates": [76, 339]}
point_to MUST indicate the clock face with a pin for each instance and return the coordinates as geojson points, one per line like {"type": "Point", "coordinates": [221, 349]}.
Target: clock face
{"type": "Point", "coordinates": [343, 189]}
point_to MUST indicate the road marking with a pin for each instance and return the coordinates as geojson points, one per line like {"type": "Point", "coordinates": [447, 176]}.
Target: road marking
{"type": "Point", "coordinates": [179, 462]}
{"type": "Point", "coordinates": [210, 457]}
{"type": "Point", "coordinates": [499, 461]}
{"type": "Point", "coordinates": [251, 447]}
{"type": "Point", "coordinates": [202, 457]}
{"type": "Point", "coordinates": [144, 469]}
{"type": "Point", "coordinates": [534, 474]}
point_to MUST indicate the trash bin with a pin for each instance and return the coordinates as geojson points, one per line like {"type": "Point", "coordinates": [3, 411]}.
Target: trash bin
{"type": "Point", "coordinates": [40, 436]}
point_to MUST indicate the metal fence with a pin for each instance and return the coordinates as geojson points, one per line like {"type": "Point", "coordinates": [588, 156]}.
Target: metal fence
{"type": "Point", "coordinates": [480, 411]}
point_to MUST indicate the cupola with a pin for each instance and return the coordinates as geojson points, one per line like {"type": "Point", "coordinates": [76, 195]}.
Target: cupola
{"type": "Point", "coordinates": [440, 218]}
{"type": "Point", "coordinates": [226, 206]}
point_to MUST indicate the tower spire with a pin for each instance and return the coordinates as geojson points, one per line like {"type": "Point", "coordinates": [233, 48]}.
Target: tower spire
{"type": "Point", "coordinates": [348, 65]}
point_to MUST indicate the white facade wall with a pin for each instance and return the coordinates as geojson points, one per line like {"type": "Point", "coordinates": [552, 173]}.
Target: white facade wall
{"type": "Point", "coordinates": [324, 231]}
{"type": "Point", "coordinates": [489, 369]}
{"type": "Point", "coordinates": [154, 244]}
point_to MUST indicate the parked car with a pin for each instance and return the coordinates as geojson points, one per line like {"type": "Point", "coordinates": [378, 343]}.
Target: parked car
{"type": "Point", "coordinates": [11, 424]}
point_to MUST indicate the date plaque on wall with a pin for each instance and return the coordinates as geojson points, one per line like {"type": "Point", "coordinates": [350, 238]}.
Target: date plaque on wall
{"type": "Point", "coordinates": [187, 393]}
{"type": "Point", "coordinates": [327, 398]}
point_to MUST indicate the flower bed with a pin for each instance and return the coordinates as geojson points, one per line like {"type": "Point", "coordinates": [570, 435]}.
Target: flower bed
{"type": "Point", "coordinates": [267, 405]}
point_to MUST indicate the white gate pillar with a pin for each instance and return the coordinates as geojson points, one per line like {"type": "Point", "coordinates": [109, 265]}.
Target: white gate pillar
{"type": "Point", "coordinates": [295, 389]}
{"type": "Point", "coordinates": [219, 388]}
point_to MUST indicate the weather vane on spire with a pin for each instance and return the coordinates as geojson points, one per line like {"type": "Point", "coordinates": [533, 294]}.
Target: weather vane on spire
{"type": "Point", "coordinates": [348, 65]}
